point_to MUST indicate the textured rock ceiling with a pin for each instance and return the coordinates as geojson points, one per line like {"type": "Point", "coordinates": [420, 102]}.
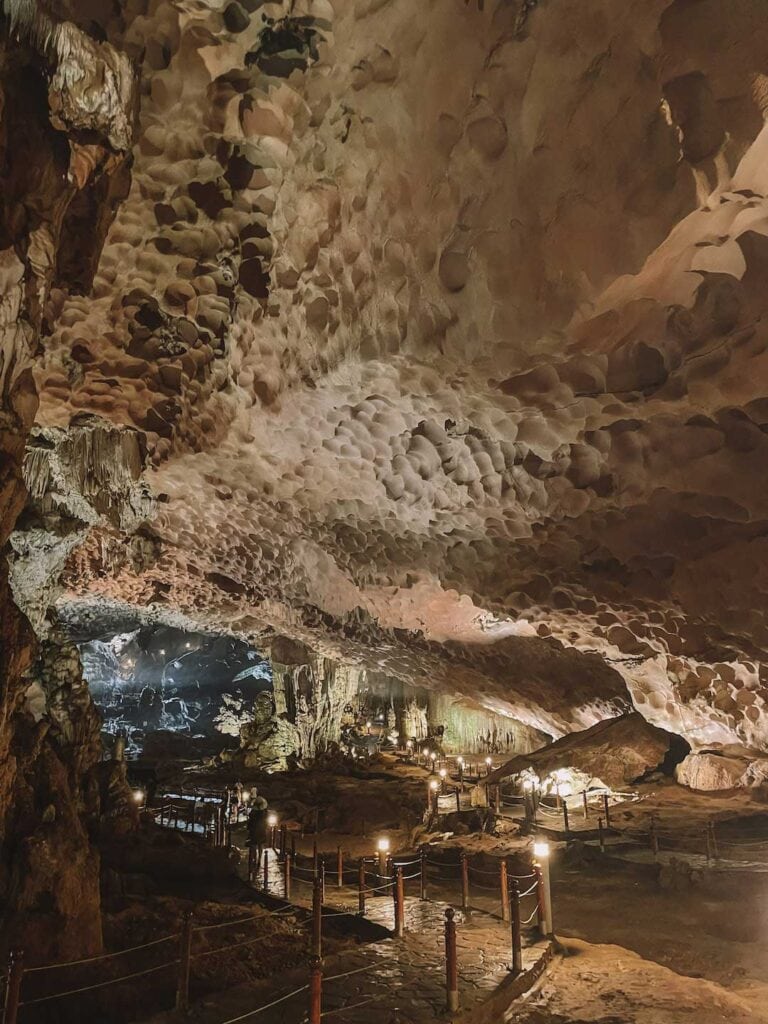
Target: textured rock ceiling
{"type": "Point", "coordinates": [444, 317]}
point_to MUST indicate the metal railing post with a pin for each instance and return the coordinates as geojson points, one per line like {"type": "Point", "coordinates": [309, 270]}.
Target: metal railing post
{"type": "Point", "coordinates": [185, 955]}
{"type": "Point", "coordinates": [399, 903]}
{"type": "Point", "coordinates": [504, 888]}
{"type": "Point", "coordinates": [361, 887]}
{"type": "Point", "coordinates": [464, 881]}
{"type": "Point", "coordinates": [287, 875]}
{"type": "Point", "coordinates": [13, 986]}
{"type": "Point", "coordinates": [316, 991]}
{"type": "Point", "coordinates": [317, 918]}
{"type": "Point", "coordinates": [451, 964]}
{"type": "Point", "coordinates": [517, 941]}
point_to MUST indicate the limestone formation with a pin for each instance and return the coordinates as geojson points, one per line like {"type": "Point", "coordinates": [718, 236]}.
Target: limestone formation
{"type": "Point", "coordinates": [485, 371]}
{"type": "Point", "coordinates": [428, 338]}
{"type": "Point", "coordinates": [616, 753]}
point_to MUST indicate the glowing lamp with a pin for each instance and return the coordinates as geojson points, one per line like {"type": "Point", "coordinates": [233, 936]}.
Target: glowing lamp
{"type": "Point", "coordinates": [138, 796]}
{"type": "Point", "coordinates": [383, 845]}
{"type": "Point", "coordinates": [541, 849]}
{"type": "Point", "coordinates": [442, 773]}
{"type": "Point", "coordinates": [408, 744]}
{"type": "Point", "coordinates": [433, 756]}
{"type": "Point", "coordinates": [272, 820]}
{"type": "Point", "coordinates": [488, 761]}
{"type": "Point", "coordinates": [433, 784]}
{"type": "Point", "coordinates": [460, 760]}
{"type": "Point", "coordinates": [368, 725]}
{"type": "Point", "coordinates": [425, 752]}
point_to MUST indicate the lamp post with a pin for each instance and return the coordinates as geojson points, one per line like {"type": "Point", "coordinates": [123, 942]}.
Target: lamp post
{"type": "Point", "coordinates": [382, 848]}
{"type": "Point", "coordinates": [488, 763]}
{"type": "Point", "coordinates": [442, 773]}
{"type": "Point", "coordinates": [541, 853]}
{"type": "Point", "coordinates": [433, 788]}
{"type": "Point", "coordinates": [272, 822]}
{"type": "Point", "coordinates": [432, 758]}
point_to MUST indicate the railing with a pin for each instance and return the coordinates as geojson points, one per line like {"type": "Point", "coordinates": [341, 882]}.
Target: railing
{"type": "Point", "coordinates": [370, 878]}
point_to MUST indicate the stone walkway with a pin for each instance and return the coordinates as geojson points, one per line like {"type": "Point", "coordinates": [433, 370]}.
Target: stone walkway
{"type": "Point", "coordinates": [403, 981]}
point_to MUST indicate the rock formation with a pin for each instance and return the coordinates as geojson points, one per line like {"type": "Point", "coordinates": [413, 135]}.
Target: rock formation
{"type": "Point", "coordinates": [429, 339]}
{"type": "Point", "coordinates": [66, 108]}
{"type": "Point", "coordinates": [616, 753]}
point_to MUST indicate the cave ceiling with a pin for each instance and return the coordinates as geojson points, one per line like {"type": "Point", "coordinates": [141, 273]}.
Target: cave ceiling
{"type": "Point", "coordinates": [441, 327]}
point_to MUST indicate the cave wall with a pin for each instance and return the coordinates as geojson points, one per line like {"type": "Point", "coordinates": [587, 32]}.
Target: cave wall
{"type": "Point", "coordinates": [303, 715]}
{"type": "Point", "coordinates": [65, 125]}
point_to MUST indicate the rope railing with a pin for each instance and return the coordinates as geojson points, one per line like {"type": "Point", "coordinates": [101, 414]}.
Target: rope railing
{"type": "Point", "coordinates": [98, 984]}
{"type": "Point", "coordinates": [100, 957]}
{"type": "Point", "coordinates": [267, 1006]}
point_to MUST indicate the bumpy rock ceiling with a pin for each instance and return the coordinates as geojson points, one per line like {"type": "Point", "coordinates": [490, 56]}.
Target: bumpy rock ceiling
{"type": "Point", "coordinates": [443, 317]}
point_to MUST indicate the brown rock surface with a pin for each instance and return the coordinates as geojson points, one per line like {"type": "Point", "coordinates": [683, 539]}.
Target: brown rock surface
{"type": "Point", "coordinates": [488, 369]}
{"type": "Point", "coordinates": [617, 751]}
{"type": "Point", "coordinates": [707, 771]}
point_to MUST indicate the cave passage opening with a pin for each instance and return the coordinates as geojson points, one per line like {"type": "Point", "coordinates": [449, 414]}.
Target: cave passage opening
{"type": "Point", "coordinates": [173, 693]}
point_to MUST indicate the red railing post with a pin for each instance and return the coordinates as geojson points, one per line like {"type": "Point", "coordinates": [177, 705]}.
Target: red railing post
{"type": "Point", "coordinates": [185, 955]}
{"type": "Point", "coordinates": [317, 918]}
{"type": "Point", "coordinates": [340, 866]}
{"type": "Point", "coordinates": [361, 887]}
{"type": "Point", "coordinates": [451, 964]}
{"type": "Point", "coordinates": [423, 873]}
{"type": "Point", "coordinates": [287, 876]}
{"type": "Point", "coordinates": [504, 889]}
{"type": "Point", "coordinates": [607, 810]}
{"type": "Point", "coordinates": [464, 881]}
{"type": "Point", "coordinates": [13, 986]}
{"type": "Point", "coordinates": [399, 903]}
{"type": "Point", "coordinates": [540, 911]}
{"type": "Point", "coordinates": [322, 882]}
{"type": "Point", "coordinates": [316, 991]}
{"type": "Point", "coordinates": [517, 942]}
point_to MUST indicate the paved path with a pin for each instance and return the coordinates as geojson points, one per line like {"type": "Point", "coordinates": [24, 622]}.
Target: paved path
{"type": "Point", "coordinates": [403, 981]}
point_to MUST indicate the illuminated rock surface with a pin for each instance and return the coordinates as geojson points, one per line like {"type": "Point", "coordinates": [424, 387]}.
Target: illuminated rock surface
{"type": "Point", "coordinates": [431, 340]}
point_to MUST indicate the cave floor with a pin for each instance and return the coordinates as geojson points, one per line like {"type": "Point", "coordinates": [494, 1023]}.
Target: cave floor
{"type": "Point", "coordinates": [648, 939]}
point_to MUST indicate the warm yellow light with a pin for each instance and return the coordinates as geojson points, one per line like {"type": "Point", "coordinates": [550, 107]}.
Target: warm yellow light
{"type": "Point", "coordinates": [383, 845]}
{"type": "Point", "coordinates": [138, 796]}
{"type": "Point", "coordinates": [443, 773]}
{"type": "Point", "coordinates": [433, 784]}
{"type": "Point", "coordinates": [433, 755]}
{"type": "Point", "coordinates": [246, 796]}
{"type": "Point", "coordinates": [408, 744]}
{"type": "Point", "coordinates": [271, 820]}
{"type": "Point", "coordinates": [368, 725]}
{"type": "Point", "coordinates": [488, 761]}
{"type": "Point", "coordinates": [460, 760]}
{"type": "Point", "coordinates": [541, 848]}
{"type": "Point", "coordinates": [425, 752]}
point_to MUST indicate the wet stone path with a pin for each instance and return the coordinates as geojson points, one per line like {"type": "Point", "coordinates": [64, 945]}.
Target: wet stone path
{"type": "Point", "coordinates": [402, 981]}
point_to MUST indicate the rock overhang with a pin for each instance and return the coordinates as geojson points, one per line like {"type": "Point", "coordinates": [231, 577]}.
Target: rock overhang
{"type": "Point", "coordinates": [407, 359]}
